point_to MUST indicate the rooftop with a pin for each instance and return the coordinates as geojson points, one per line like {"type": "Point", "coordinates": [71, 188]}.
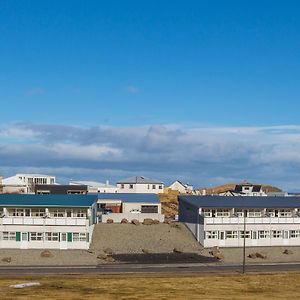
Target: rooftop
{"type": "Point", "coordinates": [28, 200]}
{"type": "Point", "coordinates": [241, 202]}
{"type": "Point", "coordinates": [130, 198]}
{"type": "Point", "coordinates": [140, 180]}
{"type": "Point", "coordinates": [91, 184]}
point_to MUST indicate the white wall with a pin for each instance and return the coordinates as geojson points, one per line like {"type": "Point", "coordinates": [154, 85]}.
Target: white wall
{"type": "Point", "coordinates": [140, 188]}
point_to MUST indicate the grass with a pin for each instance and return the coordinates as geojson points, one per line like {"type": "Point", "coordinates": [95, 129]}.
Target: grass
{"type": "Point", "coordinates": [250, 286]}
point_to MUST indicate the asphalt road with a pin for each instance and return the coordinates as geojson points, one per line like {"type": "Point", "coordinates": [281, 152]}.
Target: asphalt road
{"type": "Point", "coordinates": [142, 268]}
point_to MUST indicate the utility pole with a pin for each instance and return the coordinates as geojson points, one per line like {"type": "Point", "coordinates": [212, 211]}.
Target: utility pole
{"type": "Point", "coordinates": [244, 244]}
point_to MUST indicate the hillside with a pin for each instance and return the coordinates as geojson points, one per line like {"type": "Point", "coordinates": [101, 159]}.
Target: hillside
{"type": "Point", "coordinates": [225, 187]}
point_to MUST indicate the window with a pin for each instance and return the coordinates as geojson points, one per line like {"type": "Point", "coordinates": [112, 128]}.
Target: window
{"type": "Point", "coordinates": [122, 186]}
{"type": "Point", "coordinates": [131, 186]}
{"type": "Point", "coordinates": [51, 180]}
{"type": "Point", "coordinates": [207, 213]}
{"type": "Point", "coordinates": [79, 237]}
{"type": "Point", "coordinates": [222, 213]}
{"type": "Point", "coordinates": [52, 236]}
{"type": "Point", "coordinates": [38, 212]}
{"type": "Point", "coordinates": [69, 214]}
{"type": "Point", "coordinates": [36, 236]}
{"type": "Point", "coordinates": [63, 237]}
{"type": "Point", "coordinates": [254, 213]}
{"type": "Point", "coordinates": [160, 187]}
{"type": "Point", "coordinates": [276, 234]}
{"type": "Point", "coordinates": [80, 214]}
{"type": "Point", "coordinates": [18, 212]}
{"type": "Point", "coordinates": [254, 235]}
{"type": "Point", "coordinates": [246, 235]}
{"type": "Point", "coordinates": [231, 234]}
{"type": "Point", "coordinates": [8, 236]}
{"type": "Point", "coordinates": [294, 234]}
{"type": "Point", "coordinates": [58, 213]}
{"type": "Point", "coordinates": [271, 213]}
{"type": "Point", "coordinates": [153, 186]}
{"type": "Point", "coordinates": [211, 235]}
{"type": "Point", "coordinates": [238, 213]}
{"type": "Point", "coordinates": [263, 234]}
{"type": "Point", "coordinates": [150, 209]}
{"type": "Point", "coordinates": [284, 213]}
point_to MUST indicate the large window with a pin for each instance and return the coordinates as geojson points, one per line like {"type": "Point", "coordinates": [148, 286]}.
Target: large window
{"type": "Point", "coordinates": [254, 213]}
{"type": "Point", "coordinates": [223, 213]}
{"type": "Point", "coordinates": [38, 212]}
{"type": "Point", "coordinates": [294, 234]}
{"type": "Point", "coordinates": [276, 234]}
{"type": "Point", "coordinates": [284, 213]}
{"type": "Point", "coordinates": [57, 213]}
{"type": "Point", "coordinates": [8, 236]}
{"type": "Point", "coordinates": [231, 234]}
{"type": "Point", "coordinates": [150, 209]}
{"type": "Point", "coordinates": [245, 234]}
{"type": "Point", "coordinates": [52, 236]}
{"type": "Point", "coordinates": [207, 213]}
{"type": "Point", "coordinates": [21, 212]}
{"type": "Point", "coordinates": [263, 234]}
{"type": "Point", "coordinates": [211, 235]}
{"type": "Point", "coordinates": [79, 237]}
{"type": "Point", "coordinates": [79, 214]}
{"type": "Point", "coordinates": [36, 236]}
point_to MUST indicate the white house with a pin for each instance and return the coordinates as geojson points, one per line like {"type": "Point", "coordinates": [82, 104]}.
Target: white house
{"type": "Point", "coordinates": [96, 187]}
{"type": "Point", "coordinates": [140, 184]}
{"type": "Point", "coordinates": [46, 221]}
{"type": "Point", "coordinates": [245, 189]}
{"type": "Point", "coordinates": [24, 183]}
{"type": "Point", "coordinates": [118, 206]}
{"type": "Point", "coordinates": [225, 221]}
{"type": "Point", "coordinates": [182, 188]}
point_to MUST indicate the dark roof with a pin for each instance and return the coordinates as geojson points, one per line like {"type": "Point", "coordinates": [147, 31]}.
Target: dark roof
{"type": "Point", "coordinates": [140, 179]}
{"type": "Point", "coordinates": [47, 200]}
{"type": "Point", "coordinates": [60, 188]}
{"type": "Point", "coordinates": [241, 201]}
{"type": "Point", "coordinates": [130, 197]}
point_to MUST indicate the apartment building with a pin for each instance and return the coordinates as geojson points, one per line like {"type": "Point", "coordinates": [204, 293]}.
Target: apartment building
{"type": "Point", "coordinates": [46, 221]}
{"type": "Point", "coordinates": [96, 187]}
{"type": "Point", "coordinates": [25, 183]}
{"type": "Point", "coordinates": [226, 221]}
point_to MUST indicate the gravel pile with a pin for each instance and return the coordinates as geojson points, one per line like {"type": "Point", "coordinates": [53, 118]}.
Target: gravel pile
{"type": "Point", "coordinates": [157, 238]}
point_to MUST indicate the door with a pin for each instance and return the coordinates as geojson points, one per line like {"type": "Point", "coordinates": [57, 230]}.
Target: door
{"type": "Point", "coordinates": [63, 241]}
{"type": "Point", "coordinates": [24, 240]}
{"type": "Point", "coordinates": [222, 238]}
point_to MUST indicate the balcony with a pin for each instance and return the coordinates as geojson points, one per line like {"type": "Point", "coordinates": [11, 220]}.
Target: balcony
{"type": "Point", "coordinates": [262, 220]}
{"type": "Point", "coordinates": [44, 221]}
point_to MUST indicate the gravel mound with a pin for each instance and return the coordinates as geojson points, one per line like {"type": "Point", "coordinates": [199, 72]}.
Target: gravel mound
{"type": "Point", "coordinates": [157, 238]}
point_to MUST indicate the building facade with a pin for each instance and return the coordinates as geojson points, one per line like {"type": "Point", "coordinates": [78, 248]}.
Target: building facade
{"type": "Point", "coordinates": [46, 221]}
{"type": "Point", "coordinates": [140, 184]}
{"type": "Point", "coordinates": [226, 221]}
{"type": "Point", "coordinates": [96, 187]}
{"type": "Point", "coordinates": [182, 188]}
{"type": "Point", "coordinates": [128, 206]}
{"type": "Point", "coordinates": [46, 189]}
{"type": "Point", "coordinates": [25, 183]}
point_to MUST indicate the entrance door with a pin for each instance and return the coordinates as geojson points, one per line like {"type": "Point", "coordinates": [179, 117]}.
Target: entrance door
{"type": "Point", "coordinates": [221, 238]}
{"type": "Point", "coordinates": [24, 240]}
{"type": "Point", "coordinates": [63, 241]}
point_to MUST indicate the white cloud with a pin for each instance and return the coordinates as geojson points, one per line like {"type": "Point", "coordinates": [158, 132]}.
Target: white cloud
{"type": "Point", "coordinates": [200, 155]}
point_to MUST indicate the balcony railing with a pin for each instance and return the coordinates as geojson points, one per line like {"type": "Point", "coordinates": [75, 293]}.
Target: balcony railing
{"type": "Point", "coordinates": [262, 220]}
{"type": "Point", "coordinates": [44, 221]}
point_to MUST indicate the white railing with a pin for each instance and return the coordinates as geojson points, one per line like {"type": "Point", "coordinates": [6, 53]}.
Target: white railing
{"type": "Point", "coordinates": [44, 221]}
{"type": "Point", "coordinates": [263, 220]}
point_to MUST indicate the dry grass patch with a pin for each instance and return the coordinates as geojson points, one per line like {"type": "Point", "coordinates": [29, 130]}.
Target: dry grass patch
{"type": "Point", "coordinates": [277, 286]}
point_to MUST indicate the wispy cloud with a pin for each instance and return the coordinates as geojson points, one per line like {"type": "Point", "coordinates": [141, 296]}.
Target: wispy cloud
{"type": "Point", "coordinates": [35, 91]}
{"type": "Point", "coordinates": [200, 155]}
{"type": "Point", "coordinates": [132, 89]}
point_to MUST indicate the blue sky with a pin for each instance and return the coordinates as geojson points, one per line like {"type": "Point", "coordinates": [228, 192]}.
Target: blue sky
{"type": "Point", "coordinates": [209, 72]}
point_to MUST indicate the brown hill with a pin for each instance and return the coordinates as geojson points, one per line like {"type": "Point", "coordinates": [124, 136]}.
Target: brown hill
{"type": "Point", "coordinates": [230, 186]}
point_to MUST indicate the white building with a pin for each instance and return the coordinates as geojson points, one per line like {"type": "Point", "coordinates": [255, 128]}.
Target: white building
{"type": "Point", "coordinates": [182, 188]}
{"type": "Point", "coordinates": [140, 184]}
{"type": "Point", "coordinates": [219, 221]}
{"type": "Point", "coordinates": [245, 189]}
{"type": "Point", "coordinates": [24, 183]}
{"type": "Point", "coordinates": [128, 206]}
{"type": "Point", "coordinates": [46, 221]}
{"type": "Point", "coordinates": [97, 187]}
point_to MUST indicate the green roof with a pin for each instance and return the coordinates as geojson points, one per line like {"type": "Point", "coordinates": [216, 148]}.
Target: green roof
{"type": "Point", "coordinates": [28, 200]}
